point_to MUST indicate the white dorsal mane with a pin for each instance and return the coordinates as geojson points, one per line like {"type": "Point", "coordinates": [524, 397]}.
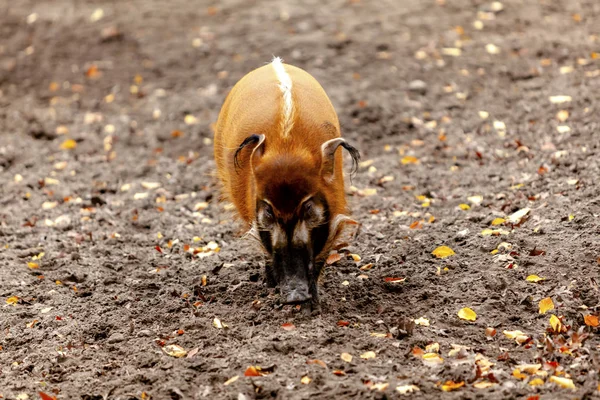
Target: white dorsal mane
{"type": "Point", "coordinates": [285, 84]}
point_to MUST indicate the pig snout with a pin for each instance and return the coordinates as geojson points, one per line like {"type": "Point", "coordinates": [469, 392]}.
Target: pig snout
{"type": "Point", "coordinates": [295, 291]}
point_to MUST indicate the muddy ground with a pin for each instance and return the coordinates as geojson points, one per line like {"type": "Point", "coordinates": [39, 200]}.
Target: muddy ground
{"type": "Point", "coordinates": [106, 168]}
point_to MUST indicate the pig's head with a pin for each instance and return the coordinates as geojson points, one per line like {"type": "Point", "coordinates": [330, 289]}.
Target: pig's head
{"type": "Point", "coordinates": [299, 211]}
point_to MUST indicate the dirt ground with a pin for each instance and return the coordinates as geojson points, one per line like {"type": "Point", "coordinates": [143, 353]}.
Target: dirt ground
{"type": "Point", "coordinates": [106, 193]}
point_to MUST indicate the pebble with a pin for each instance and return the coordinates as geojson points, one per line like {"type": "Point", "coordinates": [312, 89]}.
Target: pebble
{"type": "Point", "coordinates": [418, 86]}
{"type": "Point", "coordinates": [116, 338]}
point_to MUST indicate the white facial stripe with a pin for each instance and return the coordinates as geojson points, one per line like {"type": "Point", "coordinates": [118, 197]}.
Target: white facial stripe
{"type": "Point", "coordinates": [278, 237]}
{"type": "Point", "coordinates": [285, 84]}
{"type": "Point", "coordinates": [300, 234]}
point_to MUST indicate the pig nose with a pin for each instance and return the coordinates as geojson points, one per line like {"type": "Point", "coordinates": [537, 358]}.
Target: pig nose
{"type": "Point", "coordinates": [298, 295]}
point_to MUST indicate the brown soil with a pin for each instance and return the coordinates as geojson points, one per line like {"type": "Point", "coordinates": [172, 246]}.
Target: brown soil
{"type": "Point", "coordinates": [91, 319]}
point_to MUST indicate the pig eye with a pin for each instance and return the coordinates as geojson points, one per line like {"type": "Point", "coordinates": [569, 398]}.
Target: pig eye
{"type": "Point", "coordinates": [265, 213]}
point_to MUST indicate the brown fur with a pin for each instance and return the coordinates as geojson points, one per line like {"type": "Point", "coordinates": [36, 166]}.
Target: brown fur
{"type": "Point", "coordinates": [254, 106]}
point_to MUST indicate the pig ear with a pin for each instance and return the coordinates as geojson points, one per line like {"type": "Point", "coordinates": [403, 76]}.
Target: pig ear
{"type": "Point", "coordinates": [328, 157]}
{"type": "Point", "coordinates": [254, 141]}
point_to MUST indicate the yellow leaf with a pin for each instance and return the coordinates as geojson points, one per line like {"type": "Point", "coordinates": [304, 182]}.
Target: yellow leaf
{"type": "Point", "coordinates": [495, 232]}
{"type": "Point", "coordinates": [563, 382]}
{"type": "Point", "coordinates": [432, 359]}
{"type": "Point", "coordinates": [534, 279]}
{"type": "Point", "coordinates": [518, 336]}
{"type": "Point", "coordinates": [346, 357]}
{"type": "Point", "coordinates": [422, 321]}
{"type": "Point", "coordinates": [368, 355]}
{"type": "Point", "coordinates": [467, 314]}
{"type": "Point", "coordinates": [571, 217]}
{"type": "Point", "coordinates": [516, 217]}
{"type": "Point", "coordinates": [536, 382]}
{"type": "Point", "coordinates": [591, 320]}
{"type": "Point", "coordinates": [305, 380]}
{"type": "Point", "coordinates": [355, 257]}
{"type": "Point", "coordinates": [546, 305]}
{"type": "Point", "coordinates": [443, 252]}
{"type": "Point", "coordinates": [33, 265]}
{"type": "Point", "coordinates": [380, 387]}
{"type": "Point", "coordinates": [529, 368]}
{"type": "Point", "coordinates": [484, 385]}
{"type": "Point", "coordinates": [218, 324]}
{"type": "Point", "coordinates": [450, 385]}
{"type": "Point", "coordinates": [475, 199]}
{"type": "Point", "coordinates": [409, 160]}
{"type": "Point", "coordinates": [404, 389]}
{"type": "Point", "coordinates": [12, 300]}
{"type": "Point", "coordinates": [68, 144]}
{"type": "Point", "coordinates": [464, 207]}
{"type": "Point", "coordinates": [174, 350]}
{"type": "Point", "coordinates": [518, 374]}
{"type": "Point", "coordinates": [555, 323]}
{"type": "Point", "coordinates": [231, 380]}
{"type": "Point", "coordinates": [498, 221]}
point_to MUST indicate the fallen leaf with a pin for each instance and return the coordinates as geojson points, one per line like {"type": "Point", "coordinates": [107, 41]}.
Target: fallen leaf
{"type": "Point", "coordinates": [318, 362]}
{"type": "Point", "coordinates": [174, 350]}
{"type": "Point", "coordinates": [380, 387]}
{"type": "Point", "coordinates": [518, 374]}
{"type": "Point", "coordinates": [494, 232]}
{"type": "Point", "coordinates": [475, 199]}
{"type": "Point", "coordinates": [12, 300]}
{"type": "Point", "coordinates": [288, 326]}
{"type": "Point", "coordinates": [231, 380]}
{"type": "Point", "coordinates": [451, 385]}
{"type": "Point", "coordinates": [467, 314]}
{"type": "Point", "coordinates": [555, 323]}
{"type": "Point", "coordinates": [498, 221]}
{"type": "Point", "coordinates": [563, 382]}
{"type": "Point", "coordinates": [190, 119]}
{"type": "Point", "coordinates": [44, 396]}
{"type": "Point", "coordinates": [343, 323]}
{"type": "Point", "coordinates": [484, 385]}
{"type": "Point", "coordinates": [546, 305]}
{"type": "Point", "coordinates": [422, 321]}
{"type": "Point", "coordinates": [406, 389]}
{"type": "Point", "coordinates": [338, 372]}
{"type": "Point", "coordinates": [534, 279]}
{"type": "Point", "coordinates": [443, 252]}
{"type": "Point", "coordinates": [409, 160]}
{"type": "Point", "coordinates": [536, 382]}
{"type": "Point", "coordinates": [517, 335]}
{"type": "Point", "coordinates": [431, 359]}
{"type": "Point", "coordinates": [68, 144]}
{"type": "Point", "coordinates": [516, 217]}
{"type": "Point", "coordinates": [529, 368]}
{"type": "Point", "coordinates": [368, 355]}
{"type": "Point", "coordinates": [218, 324]}
{"type": "Point", "coordinates": [355, 257]}
{"type": "Point", "coordinates": [464, 207]}
{"type": "Point", "coordinates": [33, 265]}
{"type": "Point", "coordinates": [591, 320]}
{"type": "Point", "coordinates": [305, 380]}
{"type": "Point", "coordinates": [150, 185]}
{"type": "Point", "coordinates": [252, 371]}
{"type": "Point", "coordinates": [333, 258]}
{"type": "Point", "coordinates": [560, 99]}
{"type": "Point", "coordinates": [346, 357]}
{"type": "Point", "coordinates": [394, 280]}
{"type": "Point", "coordinates": [562, 115]}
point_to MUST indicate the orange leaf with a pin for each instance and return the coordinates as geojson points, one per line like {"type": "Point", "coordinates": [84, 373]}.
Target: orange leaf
{"type": "Point", "coordinates": [318, 362]}
{"type": "Point", "coordinates": [339, 372]}
{"type": "Point", "coordinates": [92, 72]}
{"type": "Point", "coordinates": [288, 326]}
{"type": "Point", "coordinates": [343, 323]}
{"type": "Point", "coordinates": [591, 320]}
{"type": "Point", "coordinates": [394, 280]}
{"type": "Point", "coordinates": [416, 225]}
{"type": "Point", "coordinates": [176, 134]}
{"type": "Point", "coordinates": [333, 258]}
{"type": "Point", "coordinates": [251, 371]}
{"type": "Point", "coordinates": [44, 396]}
{"type": "Point", "coordinates": [451, 385]}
